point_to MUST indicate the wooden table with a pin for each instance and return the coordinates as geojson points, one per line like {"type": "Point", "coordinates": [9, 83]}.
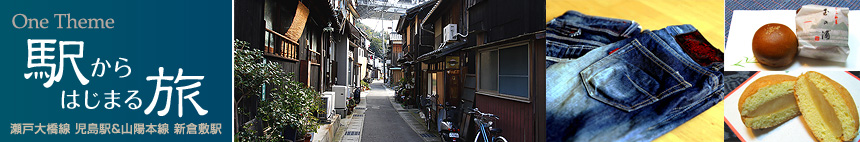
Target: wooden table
{"type": "Point", "coordinates": [705, 15]}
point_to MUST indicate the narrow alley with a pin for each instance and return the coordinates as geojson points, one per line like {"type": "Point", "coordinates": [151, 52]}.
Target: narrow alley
{"type": "Point", "coordinates": [383, 121]}
{"type": "Point", "coordinates": [379, 119]}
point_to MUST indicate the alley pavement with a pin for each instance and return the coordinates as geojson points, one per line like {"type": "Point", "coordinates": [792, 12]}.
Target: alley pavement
{"type": "Point", "coordinates": [379, 119]}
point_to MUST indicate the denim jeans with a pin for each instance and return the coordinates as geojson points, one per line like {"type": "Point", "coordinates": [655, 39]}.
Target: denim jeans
{"type": "Point", "coordinates": [631, 89]}
{"type": "Point", "coordinates": [574, 34]}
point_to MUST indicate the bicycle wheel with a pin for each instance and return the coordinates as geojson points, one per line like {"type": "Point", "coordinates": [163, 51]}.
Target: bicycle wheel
{"type": "Point", "coordinates": [427, 119]}
{"type": "Point", "coordinates": [500, 139]}
{"type": "Point", "coordinates": [477, 136]}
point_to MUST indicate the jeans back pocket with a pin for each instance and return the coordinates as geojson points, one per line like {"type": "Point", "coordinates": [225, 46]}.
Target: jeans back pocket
{"type": "Point", "coordinates": [631, 78]}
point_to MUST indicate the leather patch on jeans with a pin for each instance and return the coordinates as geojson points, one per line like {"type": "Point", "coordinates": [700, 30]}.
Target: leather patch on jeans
{"type": "Point", "coordinates": [698, 48]}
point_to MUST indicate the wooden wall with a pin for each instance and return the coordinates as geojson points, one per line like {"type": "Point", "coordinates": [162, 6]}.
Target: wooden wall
{"type": "Point", "coordinates": [515, 117]}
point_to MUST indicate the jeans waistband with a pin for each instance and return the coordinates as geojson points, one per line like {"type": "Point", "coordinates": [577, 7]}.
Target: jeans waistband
{"type": "Point", "coordinates": [574, 34]}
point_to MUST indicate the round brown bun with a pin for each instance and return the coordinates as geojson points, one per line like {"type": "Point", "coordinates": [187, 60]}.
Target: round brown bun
{"type": "Point", "coordinates": [774, 45]}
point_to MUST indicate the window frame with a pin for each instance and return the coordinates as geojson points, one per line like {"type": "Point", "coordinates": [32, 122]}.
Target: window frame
{"type": "Point", "coordinates": [496, 93]}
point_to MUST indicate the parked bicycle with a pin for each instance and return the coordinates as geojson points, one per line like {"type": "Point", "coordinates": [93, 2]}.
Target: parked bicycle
{"type": "Point", "coordinates": [428, 105]}
{"type": "Point", "coordinates": [356, 93]}
{"type": "Point", "coordinates": [486, 131]}
{"type": "Point", "coordinates": [400, 94]}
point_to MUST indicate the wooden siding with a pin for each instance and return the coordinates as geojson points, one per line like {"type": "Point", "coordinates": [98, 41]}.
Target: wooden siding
{"type": "Point", "coordinates": [515, 117]}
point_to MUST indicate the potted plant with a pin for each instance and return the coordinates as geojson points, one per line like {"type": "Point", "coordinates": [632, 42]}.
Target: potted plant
{"type": "Point", "coordinates": [350, 105]}
{"type": "Point", "coordinates": [284, 107]}
{"type": "Point", "coordinates": [365, 86]}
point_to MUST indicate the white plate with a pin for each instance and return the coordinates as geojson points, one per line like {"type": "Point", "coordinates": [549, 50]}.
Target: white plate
{"type": "Point", "coordinates": [794, 129]}
{"type": "Point", "coordinates": [744, 24]}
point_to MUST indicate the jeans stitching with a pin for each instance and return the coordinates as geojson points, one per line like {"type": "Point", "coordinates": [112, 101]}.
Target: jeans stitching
{"type": "Point", "coordinates": [571, 14]}
{"type": "Point", "coordinates": [641, 89]}
{"type": "Point", "coordinates": [685, 62]}
{"type": "Point", "coordinates": [575, 39]}
{"type": "Point", "coordinates": [672, 51]}
{"type": "Point", "coordinates": [630, 29]}
{"type": "Point", "coordinates": [635, 44]}
{"type": "Point", "coordinates": [662, 65]}
{"type": "Point", "coordinates": [674, 54]}
{"type": "Point", "coordinates": [604, 100]}
{"type": "Point", "coordinates": [582, 26]}
{"type": "Point", "coordinates": [689, 64]}
{"type": "Point", "coordinates": [556, 44]}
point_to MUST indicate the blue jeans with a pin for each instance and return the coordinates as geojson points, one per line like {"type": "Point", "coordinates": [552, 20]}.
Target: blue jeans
{"type": "Point", "coordinates": [574, 34]}
{"type": "Point", "coordinates": [632, 89]}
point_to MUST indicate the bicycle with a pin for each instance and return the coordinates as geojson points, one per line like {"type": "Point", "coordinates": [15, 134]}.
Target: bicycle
{"type": "Point", "coordinates": [427, 110]}
{"type": "Point", "coordinates": [484, 121]}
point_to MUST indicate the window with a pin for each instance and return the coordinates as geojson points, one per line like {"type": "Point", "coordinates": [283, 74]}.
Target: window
{"type": "Point", "coordinates": [313, 41]}
{"type": "Point", "coordinates": [489, 70]}
{"type": "Point", "coordinates": [268, 17]}
{"type": "Point", "coordinates": [504, 71]}
{"type": "Point", "coordinates": [431, 84]}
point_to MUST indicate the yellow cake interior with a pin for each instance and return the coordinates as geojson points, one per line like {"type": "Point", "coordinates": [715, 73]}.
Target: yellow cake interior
{"type": "Point", "coordinates": [770, 106]}
{"type": "Point", "coordinates": [827, 107]}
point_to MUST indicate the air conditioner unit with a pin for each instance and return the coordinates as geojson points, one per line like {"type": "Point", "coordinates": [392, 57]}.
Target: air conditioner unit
{"type": "Point", "coordinates": [340, 94]}
{"type": "Point", "coordinates": [449, 33]}
{"type": "Point", "coordinates": [328, 99]}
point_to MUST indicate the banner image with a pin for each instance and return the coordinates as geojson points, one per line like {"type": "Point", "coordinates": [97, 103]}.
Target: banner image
{"type": "Point", "coordinates": [116, 71]}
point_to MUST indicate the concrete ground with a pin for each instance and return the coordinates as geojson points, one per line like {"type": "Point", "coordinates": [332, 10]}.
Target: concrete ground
{"type": "Point", "coordinates": [377, 118]}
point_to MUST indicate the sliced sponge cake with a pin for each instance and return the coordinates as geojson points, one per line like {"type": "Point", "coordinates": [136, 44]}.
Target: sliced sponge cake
{"type": "Point", "coordinates": [768, 101]}
{"type": "Point", "coordinates": [827, 107]}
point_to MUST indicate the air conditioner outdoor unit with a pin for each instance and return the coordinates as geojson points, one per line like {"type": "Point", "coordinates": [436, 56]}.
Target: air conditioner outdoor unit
{"type": "Point", "coordinates": [340, 94]}
{"type": "Point", "coordinates": [328, 99]}
{"type": "Point", "coordinates": [450, 33]}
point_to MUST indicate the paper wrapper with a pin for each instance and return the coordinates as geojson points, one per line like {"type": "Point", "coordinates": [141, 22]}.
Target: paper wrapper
{"type": "Point", "coordinates": [822, 32]}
